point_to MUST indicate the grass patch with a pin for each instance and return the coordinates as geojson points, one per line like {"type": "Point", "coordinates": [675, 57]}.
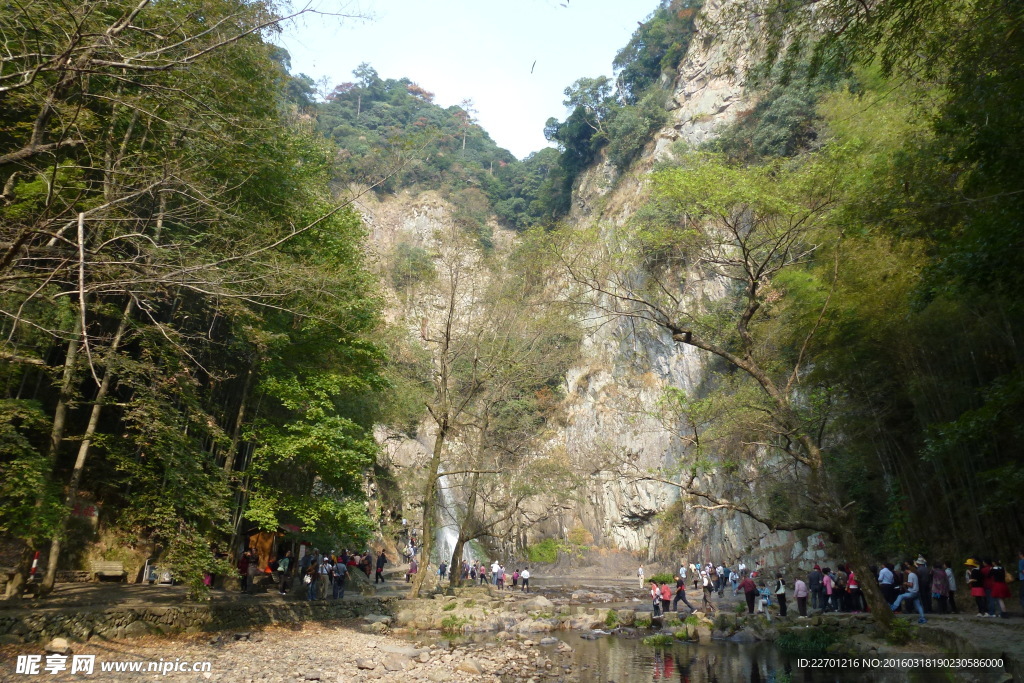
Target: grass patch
{"type": "Point", "coordinates": [612, 619]}
{"type": "Point", "coordinates": [806, 640]}
{"type": "Point", "coordinates": [642, 622]}
{"type": "Point", "coordinates": [692, 620]}
{"type": "Point", "coordinates": [453, 623]}
{"type": "Point", "coordinates": [449, 607]}
{"type": "Point", "coordinates": [673, 623]}
{"type": "Point", "coordinates": [659, 640]}
{"type": "Point", "coordinates": [469, 603]}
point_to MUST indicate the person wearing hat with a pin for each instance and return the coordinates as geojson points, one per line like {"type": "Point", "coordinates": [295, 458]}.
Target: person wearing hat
{"type": "Point", "coordinates": [913, 594]}
{"type": "Point", "coordinates": [977, 586]}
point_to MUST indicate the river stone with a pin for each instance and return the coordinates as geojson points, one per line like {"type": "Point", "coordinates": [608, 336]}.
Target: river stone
{"type": "Point", "coordinates": [58, 646]}
{"type": "Point", "coordinates": [375, 618]}
{"type": "Point", "coordinates": [470, 666]}
{"type": "Point", "coordinates": [366, 664]}
{"type": "Point", "coordinates": [396, 663]}
{"type": "Point", "coordinates": [744, 636]}
{"type": "Point", "coordinates": [548, 641]}
{"type": "Point", "coordinates": [538, 603]}
{"type": "Point", "coordinates": [627, 617]}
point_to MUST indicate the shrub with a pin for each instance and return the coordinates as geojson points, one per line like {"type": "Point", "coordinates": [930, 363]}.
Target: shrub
{"type": "Point", "coordinates": [545, 552]}
{"type": "Point", "coordinates": [411, 265]}
{"type": "Point", "coordinates": [806, 640]}
{"type": "Point", "coordinates": [663, 578]}
{"type": "Point", "coordinates": [449, 607]}
{"type": "Point", "coordinates": [612, 620]}
{"type": "Point", "coordinates": [453, 623]}
{"type": "Point", "coordinates": [659, 640]}
{"type": "Point", "coordinates": [642, 622]}
{"type": "Point", "coordinates": [692, 620]}
{"type": "Point", "coordinates": [900, 632]}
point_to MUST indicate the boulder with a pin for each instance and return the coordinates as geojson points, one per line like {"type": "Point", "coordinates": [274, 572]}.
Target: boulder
{"type": "Point", "coordinates": [627, 617]}
{"type": "Point", "coordinates": [539, 603]}
{"type": "Point", "coordinates": [366, 664]}
{"type": "Point", "coordinates": [375, 618]}
{"type": "Point", "coordinates": [550, 640]}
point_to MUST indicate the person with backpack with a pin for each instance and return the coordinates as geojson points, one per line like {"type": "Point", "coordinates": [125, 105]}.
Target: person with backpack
{"type": "Point", "coordinates": [816, 588]}
{"type": "Point", "coordinates": [382, 559]}
{"type": "Point", "coordinates": [839, 588]}
{"type": "Point", "coordinates": [707, 604]}
{"type": "Point", "coordinates": [1000, 590]}
{"type": "Point", "coordinates": [339, 577]}
{"type": "Point", "coordinates": [725, 572]}
{"type": "Point", "coordinates": [309, 579]}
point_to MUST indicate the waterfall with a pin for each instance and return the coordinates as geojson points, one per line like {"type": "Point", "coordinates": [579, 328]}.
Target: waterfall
{"type": "Point", "coordinates": [447, 534]}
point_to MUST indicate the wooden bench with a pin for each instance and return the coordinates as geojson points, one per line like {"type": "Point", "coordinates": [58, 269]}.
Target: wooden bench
{"type": "Point", "coordinates": [108, 570]}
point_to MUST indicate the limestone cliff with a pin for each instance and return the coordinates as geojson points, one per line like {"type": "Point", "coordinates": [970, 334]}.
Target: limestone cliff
{"type": "Point", "coordinates": [623, 370]}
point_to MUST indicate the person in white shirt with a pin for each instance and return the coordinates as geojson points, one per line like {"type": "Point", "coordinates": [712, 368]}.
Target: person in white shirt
{"type": "Point", "coordinates": [912, 594]}
{"type": "Point", "coordinates": [494, 572]}
{"type": "Point", "coordinates": [525, 576]}
{"type": "Point", "coordinates": [640, 575]}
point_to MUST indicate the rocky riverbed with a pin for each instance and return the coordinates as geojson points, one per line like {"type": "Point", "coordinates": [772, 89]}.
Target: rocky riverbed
{"type": "Point", "coordinates": [340, 652]}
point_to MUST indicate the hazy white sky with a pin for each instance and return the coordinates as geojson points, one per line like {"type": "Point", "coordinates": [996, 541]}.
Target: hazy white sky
{"type": "Point", "coordinates": [482, 50]}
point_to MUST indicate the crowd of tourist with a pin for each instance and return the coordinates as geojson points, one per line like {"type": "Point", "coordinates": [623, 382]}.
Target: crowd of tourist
{"type": "Point", "coordinates": [912, 585]}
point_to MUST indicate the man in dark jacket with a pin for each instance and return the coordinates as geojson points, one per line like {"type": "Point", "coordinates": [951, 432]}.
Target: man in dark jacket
{"type": "Point", "coordinates": [816, 588]}
{"type": "Point", "coordinates": [924, 578]}
{"type": "Point", "coordinates": [382, 560]}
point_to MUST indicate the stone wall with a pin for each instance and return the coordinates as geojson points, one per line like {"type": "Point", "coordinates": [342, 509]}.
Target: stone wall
{"type": "Point", "coordinates": [83, 623]}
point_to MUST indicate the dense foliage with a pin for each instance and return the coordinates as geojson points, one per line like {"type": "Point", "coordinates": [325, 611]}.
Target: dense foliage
{"type": "Point", "coordinates": [185, 309]}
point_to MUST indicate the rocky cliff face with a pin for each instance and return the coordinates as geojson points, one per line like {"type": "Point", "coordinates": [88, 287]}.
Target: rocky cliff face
{"type": "Point", "coordinates": [624, 370]}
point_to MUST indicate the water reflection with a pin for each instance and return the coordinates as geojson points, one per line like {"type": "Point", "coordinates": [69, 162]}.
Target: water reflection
{"type": "Point", "coordinates": [620, 660]}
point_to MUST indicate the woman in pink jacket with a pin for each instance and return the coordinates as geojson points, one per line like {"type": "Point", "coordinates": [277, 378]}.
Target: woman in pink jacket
{"type": "Point", "coordinates": [800, 593]}
{"type": "Point", "coordinates": [828, 583]}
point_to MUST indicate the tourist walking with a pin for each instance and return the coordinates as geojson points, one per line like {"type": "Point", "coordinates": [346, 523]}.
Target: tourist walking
{"type": "Point", "coordinates": [951, 582]}
{"type": "Point", "coordinates": [382, 560]}
{"type": "Point", "coordinates": [284, 566]}
{"type": "Point", "coordinates": [827, 587]}
{"type": "Point", "coordinates": [854, 597]}
{"type": "Point", "coordinates": [976, 585]}
{"type": "Point", "coordinates": [338, 579]}
{"type": "Point", "coordinates": [640, 575]}
{"type": "Point", "coordinates": [939, 588]}
{"type": "Point", "coordinates": [655, 600]}
{"type": "Point", "coordinates": [924, 579]}
{"type": "Point", "coordinates": [525, 576]}
{"type": "Point", "coordinates": [707, 604]}
{"type": "Point", "coordinates": [913, 587]}
{"type": "Point", "coordinates": [324, 578]}
{"type": "Point", "coordinates": [1000, 590]}
{"type": "Point", "coordinates": [681, 595]}
{"type": "Point", "coordinates": [749, 591]}
{"type": "Point", "coordinates": [886, 580]}
{"type": "Point", "coordinates": [817, 589]}
{"type": "Point", "coordinates": [780, 593]}
{"type": "Point", "coordinates": [310, 580]}
{"type": "Point", "coordinates": [800, 592]}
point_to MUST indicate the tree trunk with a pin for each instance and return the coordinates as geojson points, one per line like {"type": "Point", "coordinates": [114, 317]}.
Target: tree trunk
{"type": "Point", "coordinates": [465, 534]}
{"type": "Point", "coordinates": [83, 453]}
{"type": "Point", "coordinates": [850, 544]}
{"type": "Point", "coordinates": [20, 578]}
{"type": "Point", "coordinates": [429, 508]}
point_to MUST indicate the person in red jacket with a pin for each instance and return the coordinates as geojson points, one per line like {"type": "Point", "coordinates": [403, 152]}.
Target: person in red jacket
{"type": "Point", "coordinates": [666, 597]}
{"type": "Point", "coordinates": [749, 592]}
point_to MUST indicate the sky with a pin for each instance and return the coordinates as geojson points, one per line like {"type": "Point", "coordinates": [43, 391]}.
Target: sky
{"type": "Point", "coordinates": [512, 58]}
